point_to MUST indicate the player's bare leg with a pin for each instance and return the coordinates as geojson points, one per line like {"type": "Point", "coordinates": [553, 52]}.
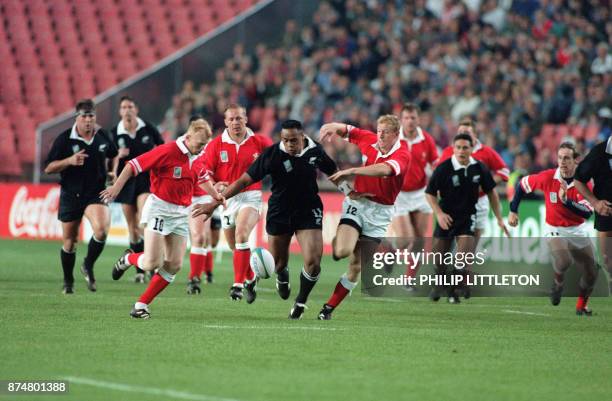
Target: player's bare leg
{"type": "Point", "coordinates": [465, 244]}
{"type": "Point", "coordinates": [132, 218]}
{"type": "Point", "coordinates": [279, 248]}
{"type": "Point", "coordinates": [439, 246]}
{"type": "Point", "coordinates": [561, 262]}
{"type": "Point", "coordinates": [246, 219]}
{"type": "Point", "coordinates": [311, 242]}
{"type": "Point", "coordinates": [345, 244]}
{"type": "Point", "coordinates": [213, 235]}
{"type": "Point", "coordinates": [197, 254]}
{"type": "Point", "coordinates": [585, 261]}
{"type": "Point", "coordinates": [605, 247]}
{"type": "Point", "coordinates": [99, 218]}
{"type": "Point", "coordinates": [416, 231]}
{"type": "Point", "coordinates": [172, 252]}
{"type": "Point", "coordinates": [70, 235]}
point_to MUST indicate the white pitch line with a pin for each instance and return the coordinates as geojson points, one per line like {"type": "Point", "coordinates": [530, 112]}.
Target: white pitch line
{"type": "Point", "coordinates": [518, 312]}
{"type": "Point", "coordinates": [221, 326]}
{"type": "Point", "coordinates": [173, 394]}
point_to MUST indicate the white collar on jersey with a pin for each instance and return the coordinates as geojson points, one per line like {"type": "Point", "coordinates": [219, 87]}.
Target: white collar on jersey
{"type": "Point", "coordinates": [180, 142]}
{"type": "Point", "coordinates": [310, 144]}
{"type": "Point", "coordinates": [558, 177]}
{"type": "Point", "coordinates": [395, 147]}
{"type": "Point", "coordinates": [75, 135]}
{"type": "Point", "coordinates": [225, 137]}
{"type": "Point", "coordinates": [609, 145]}
{"type": "Point", "coordinates": [459, 166]}
{"type": "Point", "coordinates": [420, 137]}
{"type": "Point", "coordinates": [122, 131]}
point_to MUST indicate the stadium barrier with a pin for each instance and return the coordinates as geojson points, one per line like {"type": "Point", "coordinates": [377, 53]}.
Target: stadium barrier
{"type": "Point", "coordinates": [29, 211]}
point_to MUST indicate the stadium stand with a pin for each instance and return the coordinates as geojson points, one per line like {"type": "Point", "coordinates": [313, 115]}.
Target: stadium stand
{"type": "Point", "coordinates": [510, 64]}
{"type": "Point", "coordinates": [54, 52]}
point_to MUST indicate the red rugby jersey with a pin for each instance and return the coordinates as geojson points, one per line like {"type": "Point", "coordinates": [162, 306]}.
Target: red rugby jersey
{"type": "Point", "coordinates": [387, 188]}
{"type": "Point", "coordinates": [227, 160]}
{"type": "Point", "coordinates": [174, 171]}
{"type": "Point", "coordinates": [549, 182]}
{"type": "Point", "coordinates": [423, 151]}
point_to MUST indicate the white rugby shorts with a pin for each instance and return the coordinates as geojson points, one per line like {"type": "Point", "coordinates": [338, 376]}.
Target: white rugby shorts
{"type": "Point", "coordinates": [252, 199]}
{"type": "Point", "coordinates": [373, 218]}
{"type": "Point", "coordinates": [164, 217]}
{"type": "Point", "coordinates": [411, 201]}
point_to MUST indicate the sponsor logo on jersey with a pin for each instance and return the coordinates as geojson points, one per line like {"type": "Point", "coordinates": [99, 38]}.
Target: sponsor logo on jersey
{"type": "Point", "coordinates": [223, 156]}
{"type": "Point", "coordinates": [288, 166]}
{"type": "Point", "coordinates": [75, 148]}
{"type": "Point", "coordinates": [476, 179]}
{"type": "Point", "coordinates": [146, 139]}
{"type": "Point", "coordinates": [455, 180]}
{"type": "Point", "coordinates": [312, 160]}
{"type": "Point", "coordinates": [177, 172]}
{"type": "Point", "coordinates": [553, 197]}
{"type": "Point", "coordinates": [102, 147]}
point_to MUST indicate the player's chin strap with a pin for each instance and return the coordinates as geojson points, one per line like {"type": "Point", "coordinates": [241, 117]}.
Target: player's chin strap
{"type": "Point", "coordinates": [345, 188]}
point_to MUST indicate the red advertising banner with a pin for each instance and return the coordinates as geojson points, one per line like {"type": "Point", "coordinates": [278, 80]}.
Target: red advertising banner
{"type": "Point", "coordinates": [332, 210]}
{"type": "Point", "coordinates": [29, 211]}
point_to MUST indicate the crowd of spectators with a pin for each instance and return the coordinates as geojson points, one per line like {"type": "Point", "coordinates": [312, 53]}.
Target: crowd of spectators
{"type": "Point", "coordinates": [512, 65]}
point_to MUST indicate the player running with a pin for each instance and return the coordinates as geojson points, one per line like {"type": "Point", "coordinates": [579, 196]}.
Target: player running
{"type": "Point", "coordinates": [597, 165]}
{"type": "Point", "coordinates": [453, 192]}
{"type": "Point", "coordinates": [369, 209]}
{"type": "Point", "coordinates": [228, 157]}
{"type": "Point", "coordinates": [412, 212]}
{"type": "Point", "coordinates": [294, 206]}
{"type": "Point", "coordinates": [492, 160]}
{"type": "Point", "coordinates": [200, 234]}
{"type": "Point", "coordinates": [133, 137]}
{"type": "Point", "coordinates": [566, 227]}
{"type": "Point", "coordinates": [175, 169]}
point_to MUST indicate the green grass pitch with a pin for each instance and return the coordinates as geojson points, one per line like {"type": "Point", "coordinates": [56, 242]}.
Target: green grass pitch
{"type": "Point", "coordinates": [208, 348]}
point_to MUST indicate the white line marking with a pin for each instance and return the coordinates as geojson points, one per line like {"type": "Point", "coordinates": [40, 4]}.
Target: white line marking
{"type": "Point", "coordinates": [222, 326]}
{"type": "Point", "coordinates": [524, 313]}
{"type": "Point", "coordinates": [144, 390]}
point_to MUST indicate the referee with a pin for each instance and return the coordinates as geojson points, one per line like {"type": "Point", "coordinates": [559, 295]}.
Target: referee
{"type": "Point", "coordinates": [294, 206]}
{"type": "Point", "coordinates": [452, 192]}
{"type": "Point", "coordinates": [597, 165]}
{"type": "Point", "coordinates": [133, 137]}
{"type": "Point", "coordinates": [81, 155]}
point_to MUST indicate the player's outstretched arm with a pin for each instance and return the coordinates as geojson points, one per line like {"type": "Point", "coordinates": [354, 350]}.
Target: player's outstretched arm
{"type": "Point", "coordinates": [109, 194]}
{"type": "Point", "coordinates": [602, 207]}
{"type": "Point", "coordinates": [374, 170]}
{"type": "Point", "coordinates": [235, 187]}
{"type": "Point", "coordinates": [327, 131]}
{"type": "Point", "coordinates": [496, 207]}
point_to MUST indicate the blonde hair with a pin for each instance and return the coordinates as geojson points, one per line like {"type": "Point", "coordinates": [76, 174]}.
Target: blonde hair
{"type": "Point", "coordinates": [199, 125]}
{"type": "Point", "coordinates": [390, 121]}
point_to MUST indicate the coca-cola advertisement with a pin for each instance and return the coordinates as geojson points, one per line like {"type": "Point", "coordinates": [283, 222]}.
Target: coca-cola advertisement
{"type": "Point", "coordinates": [29, 211]}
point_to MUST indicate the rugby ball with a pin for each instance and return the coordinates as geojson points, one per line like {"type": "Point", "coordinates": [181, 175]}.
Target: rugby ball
{"type": "Point", "coordinates": [262, 263]}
